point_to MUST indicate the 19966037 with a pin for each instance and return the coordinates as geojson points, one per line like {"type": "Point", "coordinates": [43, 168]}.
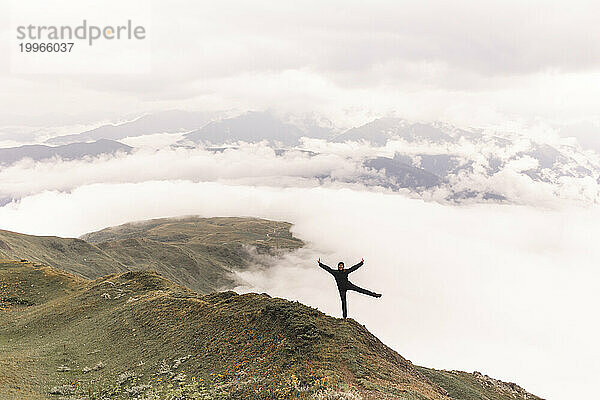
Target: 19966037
{"type": "Point", "coordinates": [45, 47]}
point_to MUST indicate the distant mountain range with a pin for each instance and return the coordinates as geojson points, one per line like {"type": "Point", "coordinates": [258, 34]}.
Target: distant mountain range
{"type": "Point", "coordinates": [456, 163]}
{"type": "Point", "coordinates": [472, 164]}
{"type": "Point", "coordinates": [381, 130]}
{"type": "Point", "coordinates": [249, 127]}
{"type": "Point", "coordinates": [71, 151]}
{"type": "Point", "coordinates": [207, 127]}
{"type": "Point", "coordinates": [253, 127]}
{"type": "Point", "coordinates": [166, 121]}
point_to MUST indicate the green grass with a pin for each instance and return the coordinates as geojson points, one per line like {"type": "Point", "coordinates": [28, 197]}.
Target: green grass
{"type": "Point", "coordinates": [233, 346]}
{"type": "Point", "coordinates": [199, 253]}
{"type": "Point", "coordinates": [467, 386]}
{"type": "Point", "coordinates": [245, 346]}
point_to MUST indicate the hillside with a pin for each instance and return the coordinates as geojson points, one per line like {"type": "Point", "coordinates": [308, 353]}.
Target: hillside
{"type": "Point", "coordinates": [70, 254]}
{"type": "Point", "coordinates": [139, 335]}
{"type": "Point", "coordinates": [199, 253]}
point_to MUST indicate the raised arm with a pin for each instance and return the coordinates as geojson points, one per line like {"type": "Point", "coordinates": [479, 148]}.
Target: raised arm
{"type": "Point", "coordinates": [357, 266]}
{"type": "Point", "coordinates": [325, 267]}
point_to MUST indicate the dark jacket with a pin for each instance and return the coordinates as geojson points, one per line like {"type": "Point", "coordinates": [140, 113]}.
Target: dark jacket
{"type": "Point", "coordinates": [341, 277]}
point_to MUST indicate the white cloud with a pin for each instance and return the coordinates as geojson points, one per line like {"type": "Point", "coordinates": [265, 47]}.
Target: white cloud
{"type": "Point", "coordinates": [246, 163]}
{"type": "Point", "coordinates": [333, 165]}
{"type": "Point", "coordinates": [154, 141]}
{"type": "Point", "coordinates": [522, 164]}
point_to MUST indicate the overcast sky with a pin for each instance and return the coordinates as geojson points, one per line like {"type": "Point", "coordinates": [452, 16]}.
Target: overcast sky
{"type": "Point", "coordinates": [472, 63]}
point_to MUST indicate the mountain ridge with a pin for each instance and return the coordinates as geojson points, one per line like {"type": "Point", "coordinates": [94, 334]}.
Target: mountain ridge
{"type": "Point", "coordinates": [165, 121]}
{"type": "Point", "coordinates": [71, 151]}
{"type": "Point", "coordinates": [137, 334]}
{"type": "Point", "coordinates": [199, 253]}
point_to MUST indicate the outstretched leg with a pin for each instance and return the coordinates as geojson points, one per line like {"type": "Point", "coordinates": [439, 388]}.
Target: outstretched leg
{"type": "Point", "coordinates": [344, 306]}
{"type": "Point", "coordinates": [358, 289]}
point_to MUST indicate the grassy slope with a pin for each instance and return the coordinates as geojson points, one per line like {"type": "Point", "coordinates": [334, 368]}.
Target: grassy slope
{"type": "Point", "coordinates": [139, 324]}
{"type": "Point", "coordinates": [73, 255]}
{"type": "Point", "coordinates": [475, 386]}
{"type": "Point", "coordinates": [198, 253]}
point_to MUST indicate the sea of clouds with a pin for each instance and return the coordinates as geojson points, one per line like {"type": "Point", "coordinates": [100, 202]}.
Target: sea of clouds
{"type": "Point", "coordinates": [314, 162]}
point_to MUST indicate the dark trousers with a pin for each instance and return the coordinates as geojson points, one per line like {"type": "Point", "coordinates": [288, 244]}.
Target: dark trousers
{"type": "Point", "coordinates": [352, 286]}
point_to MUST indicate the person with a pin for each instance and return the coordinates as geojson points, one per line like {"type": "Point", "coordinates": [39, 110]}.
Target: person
{"type": "Point", "coordinates": [343, 284]}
